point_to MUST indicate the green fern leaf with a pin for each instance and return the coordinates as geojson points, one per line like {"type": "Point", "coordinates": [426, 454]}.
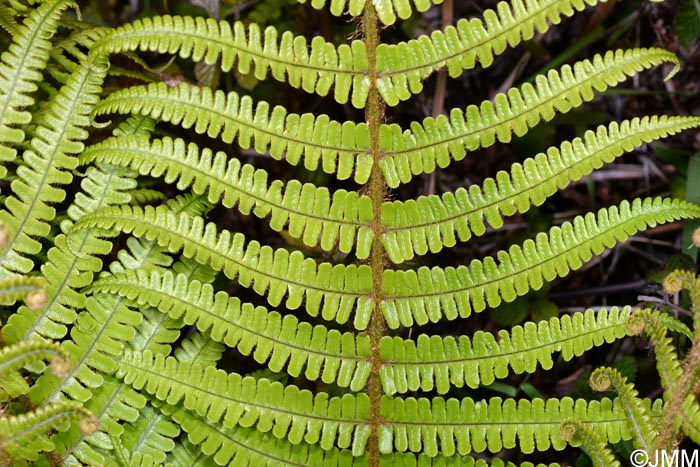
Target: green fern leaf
{"type": "Point", "coordinates": [403, 66]}
{"type": "Point", "coordinates": [430, 222]}
{"type": "Point", "coordinates": [315, 69]}
{"type": "Point", "coordinates": [16, 356]}
{"type": "Point", "coordinates": [439, 140]}
{"type": "Point", "coordinates": [248, 447]}
{"type": "Point", "coordinates": [285, 411]}
{"type": "Point", "coordinates": [655, 328]}
{"type": "Point", "coordinates": [335, 291]}
{"type": "Point", "coordinates": [71, 267]}
{"type": "Point", "coordinates": [434, 363]}
{"type": "Point", "coordinates": [280, 341]}
{"type": "Point", "coordinates": [689, 418]}
{"type": "Point", "coordinates": [578, 434]}
{"type": "Point", "coordinates": [20, 71]}
{"type": "Point", "coordinates": [25, 436]}
{"type": "Point", "coordinates": [387, 10]}
{"type": "Point", "coordinates": [638, 416]}
{"type": "Point", "coordinates": [457, 426]}
{"type": "Point", "coordinates": [48, 163]}
{"type": "Point", "coordinates": [339, 148]}
{"type": "Point", "coordinates": [19, 287]}
{"type": "Point", "coordinates": [119, 407]}
{"type": "Point", "coordinates": [432, 294]}
{"type": "Point", "coordinates": [311, 213]}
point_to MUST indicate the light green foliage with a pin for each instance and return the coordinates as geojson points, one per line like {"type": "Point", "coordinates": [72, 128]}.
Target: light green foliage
{"type": "Point", "coordinates": [144, 294]}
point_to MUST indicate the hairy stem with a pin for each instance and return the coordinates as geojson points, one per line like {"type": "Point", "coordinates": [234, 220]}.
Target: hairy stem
{"type": "Point", "coordinates": [373, 115]}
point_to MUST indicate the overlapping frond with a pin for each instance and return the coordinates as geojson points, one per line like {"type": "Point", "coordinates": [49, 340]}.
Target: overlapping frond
{"type": "Point", "coordinates": [340, 148]}
{"type": "Point", "coordinates": [285, 411]}
{"type": "Point", "coordinates": [427, 294]}
{"type": "Point", "coordinates": [314, 214]}
{"type": "Point", "coordinates": [453, 426]}
{"type": "Point", "coordinates": [248, 447]}
{"type": "Point", "coordinates": [315, 68]}
{"type": "Point", "coordinates": [99, 335]}
{"type": "Point", "coordinates": [71, 267]}
{"type": "Point", "coordinates": [19, 287]}
{"type": "Point", "coordinates": [116, 403]}
{"type": "Point", "coordinates": [437, 363]}
{"type": "Point", "coordinates": [15, 356]}
{"type": "Point", "coordinates": [442, 139]}
{"type": "Point", "coordinates": [24, 436]}
{"type": "Point", "coordinates": [282, 342]}
{"type": "Point", "coordinates": [20, 71]}
{"type": "Point", "coordinates": [430, 223]}
{"type": "Point", "coordinates": [47, 165]}
{"type": "Point", "coordinates": [333, 290]}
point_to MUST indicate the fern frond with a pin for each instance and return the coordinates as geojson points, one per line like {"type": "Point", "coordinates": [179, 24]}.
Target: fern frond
{"type": "Point", "coordinates": [436, 363]}
{"type": "Point", "coordinates": [578, 434]}
{"type": "Point", "coordinates": [430, 222]}
{"type": "Point", "coordinates": [387, 10]}
{"type": "Point", "coordinates": [18, 287]}
{"type": "Point", "coordinates": [638, 416]}
{"type": "Point", "coordinates": [442, 139]}
{"type": "Point", "coordinates": [338, 148]}
{"type": "Point", "coordinates": [248, 447]}
{"type": "Point", "coordinates": [16, 356]}
{"type": "Point", "coordinates": [403, 459]}
{"type": "Point", "coordinates": [47, 165]}
{"type": "Point", "coordinates": [689, 418]}
{"type": "Point", "coordinates": [457, 426]}
{"type": "Point", "coordinates": [282, 342]}
{"type": "Point", "coordinates": [289, 58]}
{"type": "Point", "coordinates": [334, 290]}
{"type": "Point", "coordinates": [71, 267]}
{"type": "Point", "coordinates": [24, 436]}
{"type": "Point", "coordinates": [146, 329]}
{"type": "Point", "coordinates": [311, 213]}
{"type": "Point", "coordinates": [69, 53]}
{"type": "Point", "coordinates": [667, 363]}
{"type": "Point", "coordinates": [403, 66]}
{"type": "Point", "coordinates": [20, 71]}
{"type": "Point", "coordinates": [433, 294]}
{"type": "Point", "coordinates": [285, 411]}
{"type": "Point", "coordinates": [98, 335]}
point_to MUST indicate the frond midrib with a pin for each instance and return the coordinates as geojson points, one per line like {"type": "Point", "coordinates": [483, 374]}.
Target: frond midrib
{"type": "Point", "coordinates": [113, 280]}
{"type": "Point", "coordinates": [223, 45]}
{"type": "Point", "coordinates": [195, 388]}
{"type": "Point", "coordinates": [436, 64]}
{"type": "Point", "coordinates": [190, 168]}
{"type": "Point", "coordinates": [496, 200]}
{"type": "Point", "coordinates": [530, 348]}
{"type": "Point", "coordinates": [131, 99]}
{"type": "Point", "coordinates": [529, 110]}
{"type": "Point", "coordinates": [483, 284]}
{"type": "Point", "coordinates": [111, 217]}
{"type": "Point", "coordinates": [48, 165]}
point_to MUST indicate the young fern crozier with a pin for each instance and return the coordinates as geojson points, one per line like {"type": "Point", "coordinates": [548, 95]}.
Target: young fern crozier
{"type": "Point", "coordinates": [146, 330]}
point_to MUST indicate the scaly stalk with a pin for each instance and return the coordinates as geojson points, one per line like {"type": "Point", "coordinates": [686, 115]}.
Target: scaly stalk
{"type": "Point", "coordinates": [374, 111]}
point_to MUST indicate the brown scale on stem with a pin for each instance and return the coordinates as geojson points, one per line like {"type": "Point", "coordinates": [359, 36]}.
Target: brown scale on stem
{"type": "Point", "coordinates": [374, 114]}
